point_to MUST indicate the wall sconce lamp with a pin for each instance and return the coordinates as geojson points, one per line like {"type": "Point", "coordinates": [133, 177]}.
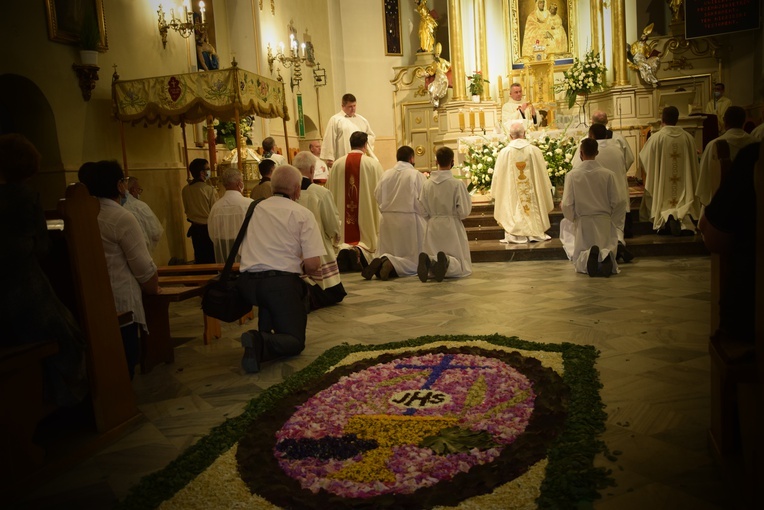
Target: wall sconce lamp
{"type": "Point", "coordinates": [185, 25]}
{"type": "Point", "coordinates": [319, 76]}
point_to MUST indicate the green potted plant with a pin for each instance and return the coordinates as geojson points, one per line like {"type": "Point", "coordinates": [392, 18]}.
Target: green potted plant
{"type": "Point", "coordinates": [476, 85]}
{"type": "Point", "coordinates": [90, 38]}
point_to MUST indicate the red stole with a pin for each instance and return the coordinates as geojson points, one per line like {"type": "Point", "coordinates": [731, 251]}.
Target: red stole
{"type": "Point", "coordinates": [352, 181]}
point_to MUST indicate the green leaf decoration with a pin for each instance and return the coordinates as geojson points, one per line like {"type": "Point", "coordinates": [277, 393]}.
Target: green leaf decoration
{"type": "Point", "coordinates": [457, 439]}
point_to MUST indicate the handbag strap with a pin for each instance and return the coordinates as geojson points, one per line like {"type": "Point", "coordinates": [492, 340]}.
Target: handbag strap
{"type": "Point", "coordinates": [239, 238]}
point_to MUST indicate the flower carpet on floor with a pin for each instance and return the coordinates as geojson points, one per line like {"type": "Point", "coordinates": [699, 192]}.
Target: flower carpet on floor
{"type": "Point", "coordinates": [434, 422]}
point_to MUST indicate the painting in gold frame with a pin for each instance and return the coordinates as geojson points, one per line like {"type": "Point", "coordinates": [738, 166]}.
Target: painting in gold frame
{"type": "Point", "coordinates": [528, 23]}
{"type": "Point", "coordinates": [65, 21]}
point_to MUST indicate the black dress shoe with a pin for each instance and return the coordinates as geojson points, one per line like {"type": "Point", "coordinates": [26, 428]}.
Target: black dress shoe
{"type": "Point", "coordinates": [372, 269]}
{"type": "Point", "coordinates": [387, 270]}
{"type": "Point", "coordinates": [592, 263]}
{"type": "Point", "coordinates": [624, 254]}
{"type": "Point", "coordinates": [606, 269]}
{"type": "Point", "coordinates": [674, 226]}
{"type": "Point", "coordinates": [440, 267]}
{"type": "Point", "coordinates": [423, 269]}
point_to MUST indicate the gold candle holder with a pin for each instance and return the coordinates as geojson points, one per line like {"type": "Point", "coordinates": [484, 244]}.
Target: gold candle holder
{"type": "Point", "coordinates": [461, 120]}
{"type": "Point", "coordinates": [481, 116]}
{"type": "Point", "coordinates": [472, 120]}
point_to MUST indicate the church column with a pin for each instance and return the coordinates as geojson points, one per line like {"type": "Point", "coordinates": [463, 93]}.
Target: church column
{"type": "Point", "coordinates": [457, 53]}
{"type": "Point", "coordinates": [620, 70]}
{"type": "Point", "coordinates": [595, 12]}
{"type": "Point", "coordinates": [480, 35]}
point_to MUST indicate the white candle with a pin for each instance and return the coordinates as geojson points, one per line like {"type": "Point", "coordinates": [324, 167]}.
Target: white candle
{"type": "Point", "coordinates": [172, 14]}
{"type": "Point", "coordinates": [201, 11]}
{"type": "Point", "coordinates": [303, 49]}
{"type": "Point", "coordinates": [281, 48]}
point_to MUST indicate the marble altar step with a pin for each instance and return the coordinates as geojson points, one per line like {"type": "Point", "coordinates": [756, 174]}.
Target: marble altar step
{"type": "Point", "coordinates": [484, 236]}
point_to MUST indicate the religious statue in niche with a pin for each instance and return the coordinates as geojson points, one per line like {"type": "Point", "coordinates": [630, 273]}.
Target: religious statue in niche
{"type": "Point", "coordinates": [643, 57]}
{"type": "Point", "coordinates": [677, 11]}
{"type": "Point", "coordinates": [545, 27]}
{"type": "Point", "coordinates": [205, 53]}
{"type": "Point", "coordinates": [427, 25]}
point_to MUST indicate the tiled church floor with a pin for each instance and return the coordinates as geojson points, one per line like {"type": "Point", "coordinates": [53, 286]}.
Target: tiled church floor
{"type": "Point", "coordinates": [650, 323]}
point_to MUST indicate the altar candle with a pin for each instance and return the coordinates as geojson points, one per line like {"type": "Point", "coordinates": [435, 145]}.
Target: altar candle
{"type": "Point", "coordinates": [482, 119]}
{"type": "Point", "coordinates": [461, 120]}
{"type": "Point", "coordinates": [201, 11]}
{"type": "Point", "coordinates": [302, 46]}
{"type": "Point", "coordinates": [472, 118]}
{"type": "Point", "coordinates": [172, 14]}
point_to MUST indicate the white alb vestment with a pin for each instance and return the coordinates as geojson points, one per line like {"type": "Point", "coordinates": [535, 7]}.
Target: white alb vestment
{"type": "Point", "coordinates": [590, 206]}
{"type": "Point", "coordinates": [224, 222]}
{"type": "Point", "coordinates": [611, 157]}
{"type": "Point", "coordinates": [357, 200]}
{"type": "Point", "coordinates": [510, 113]}
{"type": "Point", "coordinates": [446, 202]}
{"type": "Point", "coordinates": [522, 191]}
{"type": "Point", "coordinates": [402, 224]}
{"type": "Point", "coordinates": [670, 164]}
{"type": "Point", "coordinates": [758, 132]}
{"type": "Point", "coordinates": [152, 228]}
{"type": "Point", "coordinates": [718, 107]}
{"type": "Point", "coordinates": [710, 170]}
{"type": "Point", "coordinates": [320, 202]}
{"type": "Point", "coordinates": [336, 141]}
{"type": "Point", "coordinates": [278, 159]}
{"type": "Point", "coordinates": [321, 172]}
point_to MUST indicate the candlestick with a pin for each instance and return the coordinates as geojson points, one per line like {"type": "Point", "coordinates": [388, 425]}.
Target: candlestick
{"type": "Point", "coordinates": [201, 11]}
{"type": "Point", "coordinates": [472, 119]}
{"type": "Point", "coordinates": [302, 46]}
{"type": "Point", "coordinates": [461, 120]}
{"type": "Point", "coordinates": [482, 119]}
{"type": "Point", "coordinates": [172, 14]}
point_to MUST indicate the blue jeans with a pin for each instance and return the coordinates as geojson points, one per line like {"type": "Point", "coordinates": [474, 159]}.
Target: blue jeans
{"type": "Point", "coordinates": [282, 317]}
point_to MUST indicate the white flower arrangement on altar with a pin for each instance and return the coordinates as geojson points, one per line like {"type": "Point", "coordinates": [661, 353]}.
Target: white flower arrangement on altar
{"type": "Point", "coordinates": [479, 164]}
{"type": "Point", "coordinates": [558, 154]}
{"type": "Point", "coordinates": [582, 77]}
{"type": "Point", "coordinates": [480, 160]}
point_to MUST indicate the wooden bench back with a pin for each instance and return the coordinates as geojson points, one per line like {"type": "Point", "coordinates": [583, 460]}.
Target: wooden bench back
{"type": "Point", "coordinates": [111, 389]}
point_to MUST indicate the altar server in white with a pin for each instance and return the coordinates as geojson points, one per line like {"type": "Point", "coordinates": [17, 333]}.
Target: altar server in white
{"type": "Point", "coordinates": [521, 190]}
{"type": "Point", "coordinates": [352, 181]}
{"type": "Point", "coordinates": [600, 117]}
{"type": "Point", "coordinates": [446, 203]}
{"type": "Point", "coordinates": [339, 129]}
{"type": "Point", "coordinates": [610, 156]}
{"type": "Point", "coordinates": [736, 138]}
{"type": "Point", "coordinates": [150, 224]}
{"type": "Point", "coordinates": [227, 214]}
{"type": "Point", "coordinates": [670, 162]}
{"type": "Point", "coordinates": [402, 224]}
{"type": "Point", "coordinates": [590, 205]}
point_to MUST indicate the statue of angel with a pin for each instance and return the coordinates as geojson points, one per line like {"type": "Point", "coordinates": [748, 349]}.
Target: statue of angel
{"type": "Point", "coordinates": [427, 26]}
{"type": "Point", "coordinates": [438, 72]}
{"type": "Point", "coordinates": [644, 58]}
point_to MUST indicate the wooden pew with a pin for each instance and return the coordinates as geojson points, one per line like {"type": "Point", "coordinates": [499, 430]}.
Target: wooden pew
{"type": "Point", "coordinates": [198, 275]}
{"type": "Point", "coordinates": [110, 386]}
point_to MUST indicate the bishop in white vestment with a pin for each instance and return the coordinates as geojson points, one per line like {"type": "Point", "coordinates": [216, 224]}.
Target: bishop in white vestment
{"type": "Point", "coordinates": [590, 206]}
{"type": "Point", "coordinates": [402, 224]}
{"type": "Point", "coordinates": [710, 170]}
{"type": "Point", "coordinates": [670, 163]}
{"type": "Point", "coordinates": [521, 190]}
{"type": "Point", "coordinates": [352, 181]}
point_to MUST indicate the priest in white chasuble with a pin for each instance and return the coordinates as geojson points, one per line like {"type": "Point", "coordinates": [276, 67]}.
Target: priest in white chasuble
{"type": "Point", "coordinates": [517, 108]}
{"type": "Point", "coordinates": [710, 170]}
{"type": "Point", "coordinates": [670, 162]}
{"type": "Point", "coordinates": [521, 190]}
{"type": "Point", "coordinates": [352, 181]}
